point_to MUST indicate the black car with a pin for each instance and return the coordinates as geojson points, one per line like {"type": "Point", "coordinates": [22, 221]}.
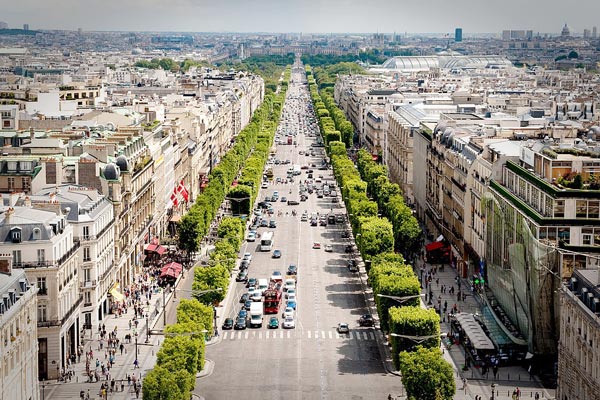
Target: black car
{"type": "Point", "coordinates": [349, 248]}
{"type": "Point", "coordinates": [227, 324]}
{"type": "Point", "coordinates": [272, 224]}
{"type": "Point", "coordinates": [292, 270]}
{"type": "Point", "coordinates": [251, 282]}
{"type": "Point", "coordinates": [293, 202]}
{"type": "Point", "coordinates": [248, 304]}
{"type": "Point", "coordinates": [352, 266]}
{"type": "Point", "coordinates": [345, 234]}
{"type": "Point", "coordinates": [240, 323]}
{"type": "Point", "coordinates": [244, 298]}
{"type": "Point", "coordinates": [366, 320]}
{"type": "Point", "coordinates": [242, 276]}
{"type": "Point", "coordinates": [244, 264]}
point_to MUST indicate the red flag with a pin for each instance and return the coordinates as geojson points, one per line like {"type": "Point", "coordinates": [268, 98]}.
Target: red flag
{"type": "Point", "coordinates": [183, 191]}
{"type": "Point", "coordinates": [174, 199]}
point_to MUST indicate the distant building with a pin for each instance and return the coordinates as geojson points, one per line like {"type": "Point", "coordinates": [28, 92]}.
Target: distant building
{"type": "Point", "coordinates": [458, 35]}
{"type": "Point", "coordinates": [578, 351]}
{"type": "Point", "coordinates": [566, 32]}
{"type": "Point", "coordinates": [594, 32]}
{"type": "Point", "coordinates": [586, 34]}
{"type": "Point", "coordinates": [3, 25]}
{"type": "Point", "coordinates": [517, 34]}
{"type": "Point", "coordinates": [25, 27]}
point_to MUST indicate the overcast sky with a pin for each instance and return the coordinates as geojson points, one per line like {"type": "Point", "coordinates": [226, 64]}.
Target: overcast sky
{"type": "Point", "coordinates": [547, 16]}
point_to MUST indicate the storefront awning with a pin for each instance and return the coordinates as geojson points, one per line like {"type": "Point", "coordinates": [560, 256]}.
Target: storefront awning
{"type": "Point", "coordinates": [175, 218]}
{"type": "Point", "coordinates": [160, 249]}
{"type": "Point", "coordinates": [434, 246]}
{"type": "Point", "coordinates": [116, 294]}
{"type": "Point", "coordinates": [150, 247]}
{"type": "Point", "coordinates": [172, 269]}
{"type": "Point", "coordinates": [479, 340]}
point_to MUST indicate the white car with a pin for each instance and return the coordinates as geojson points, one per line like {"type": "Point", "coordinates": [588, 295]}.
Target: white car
{"type": "Point", "coordinates": [289, 284]}
{"type": "Point", "coordinates": [288, 313]}
{"type": "Point", "coordinates": [264, 185]}
{"type": "Point", "coordinates": [329, 248]}
{"type": "Point", "coordinates": [251, 237]}
{"type": "Point", "coordinates": [291, 296]}
{"type": "Point", "coordinates": [248, 256]}
{"type": "Point", "coordinates": [256, 295]}
{"type": "Point", "coordinates": [289, 323]}
{"type": "Point", "coordinates": [290, 292]}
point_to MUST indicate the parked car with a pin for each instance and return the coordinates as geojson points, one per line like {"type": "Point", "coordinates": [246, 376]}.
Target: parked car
{"type": "Point", "coordinates": [242, 276]}
{"type": "Point", "coordinates": [328, 248]}
{"type": "Point", "coordinates": [251, 237]}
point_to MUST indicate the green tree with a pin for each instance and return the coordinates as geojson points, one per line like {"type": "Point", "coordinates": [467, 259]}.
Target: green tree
{"type": "Point", "coordinates": [179, 352]}
{"type": "Point", "coordinates": [426, 375]}
{"type": "Point", "coordinates": [376, 237]}
{"type": "Point", "coordinates": [191, 310]}
{"type": "Point", "coordinates": [407, 232]}
{"type": "Point", "coordinates": [240, 197]}
{"type": "Point", "coordinates": [162, 384]}
{"type": "Point", "coordinates": [233, 229]}
{"type": "Point", "coordinates": [417, 322]}
{"type": "Point", "coordinates": [209, 278]}
{"type": "Point", "coordinates": [188, 233]}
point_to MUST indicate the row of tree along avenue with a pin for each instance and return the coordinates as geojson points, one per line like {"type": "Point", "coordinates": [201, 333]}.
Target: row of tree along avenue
{"type": "Point", "coordinates": [387, 234]}
{"type": "Point", "coordinates": [181, 355]}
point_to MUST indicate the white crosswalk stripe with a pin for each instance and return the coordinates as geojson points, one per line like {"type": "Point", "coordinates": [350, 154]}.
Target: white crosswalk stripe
{"type": "Point", "coordinates": [298, 334]}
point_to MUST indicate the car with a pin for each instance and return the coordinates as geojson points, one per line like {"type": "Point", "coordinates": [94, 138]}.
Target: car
{"type": "Point", "coordinates": [323, 222]}
{"type": "Point", "coordinates": [276, 276]}
{"type": "Point", "coordinates": [290, 283]}
{"type": "Point", "coordinates": [244, 297]}
{"type": "Point", "coordinates": [319, 194]}
{"type": "Point", "coordinates": [240, 323]}
{"type": "Point", "coordinates": [366, 320]}
{"type": "Point", "coordinates": [289, 323]}
{"type": "Point", "coordinates": [273, 323]}
{"type": "Point", "coordinates": [264, 223]}
{"type": "Point", "coordinates": [242, 276]}
{"type": "Point", "coordinates": [283, 199]}
{"type": "Point", "coordinates": [304, 218]}
{"type": "Point", "coordinates": [349, 248]}
{"type": "Point", "coordinates": [345, 234]}
{"type": "Point", "coordinates": [244, 264]}
{"type": "Point", "coordinates": [272, 224]}
{"type": "Point", "coordinates": [343, 328]}
{"type": "Point", "coordinates": [243, 313]}
{"type": "Point", "coordinates": [247, 256]}
{"type": "Point", "coordinates": [251, 237]}
{"type": "Point", "coordinates": [248, 304]}
{"type": "Point", "coordinates": [293, 202]}
{"type": "Point", "coordinates": [264, 185]}
{"type": "Point", "coordinates": [314, 222]}
{"type": "Point", "coordinates": [291, 304]}
{"type": "Point", "coordinates": [316, 245]}
{"type": "Point", "coordinates": [288, 312]}
{"type": "Point", "coordinates": [328, 248]}
{"type": "Point", "coordinates": [291, 295]}
{"type": "Point", "coordinates": [257, 212]}
{"type": "Point", "coordinates": [276, 253]}
{"type": "Point", "coordinates": [270, 209]}
{"type": "Point", "coordinates": [251, 282]}
{"type": "Point", "coordinates": [227, 324]}
{"type": "Point", "coordinates": [256, 296]}
{"type": "Point", "coordinates": [292, 269]}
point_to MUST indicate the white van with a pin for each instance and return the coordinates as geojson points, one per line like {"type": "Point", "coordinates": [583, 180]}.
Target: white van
{"type": "Point", "coordinates": [263, 284]}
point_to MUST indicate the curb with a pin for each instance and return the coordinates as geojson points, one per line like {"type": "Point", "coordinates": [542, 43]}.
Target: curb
{"type": "Point", "coordinates": [209, 367]}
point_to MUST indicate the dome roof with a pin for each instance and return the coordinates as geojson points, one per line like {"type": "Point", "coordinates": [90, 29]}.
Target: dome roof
{"type": "Point", "coordinates": [595, 130]}
{"type": "Point", "coordinates": [111, 172]}
{"type": "Point", "coordinates": [122, 163]}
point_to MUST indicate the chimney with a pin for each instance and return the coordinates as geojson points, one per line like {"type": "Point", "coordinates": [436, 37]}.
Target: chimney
{"type": "Point", "coordinates": [8, 213]}
{"type": "Point", "coordinates": [31, 133]}
{"type": "Point", "coordinates": [52, 197]}
{"type": "Point", "coordinates": [27, 202]}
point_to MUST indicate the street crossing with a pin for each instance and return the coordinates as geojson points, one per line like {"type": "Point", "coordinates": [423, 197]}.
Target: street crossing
{"type": "Point", "coordinates": [297, 334]}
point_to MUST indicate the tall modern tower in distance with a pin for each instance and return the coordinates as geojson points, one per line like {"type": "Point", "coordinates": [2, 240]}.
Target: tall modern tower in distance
{"type": "Point", "coordinates": [458, 35]}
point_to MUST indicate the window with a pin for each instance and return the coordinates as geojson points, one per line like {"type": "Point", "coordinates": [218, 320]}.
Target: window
{"type": "Point", "coordinates": [86, 274]}
{"type": "Point", "coordinates": [586, 240]}
{"type": "Point", "coordinates": [25, 183]}
{"type": "Point", "coordinates": [37, 234]}
{"type": "Point", "coordinates": [42, 313]}
{"type": "Point", "coordinates": [41, 255]}
{"type": "Point", "coordinates": [86, 232]}
{"type": "Point", "coordinates": [41, 284]}
{"type": "Point", "coordinates": [16, 235]}
{"type": "Point", "coordinates": [593, 209]}
{"type": "Point", "coordinates": [87, 297]}
{"type": "Point", "coordinates": [581, 209]}
{"type": "Point", "coordinates": [559, 209]}
{"type": "Point", "coordinates": [16, 257]}
{"type": "Point", "coordinates": [86, 254]}
{"type": "Point", "coordinates": [11, 183]}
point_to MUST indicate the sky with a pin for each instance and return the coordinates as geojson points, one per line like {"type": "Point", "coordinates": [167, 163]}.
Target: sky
{"type": "Point", "coordinates": [323, 16]}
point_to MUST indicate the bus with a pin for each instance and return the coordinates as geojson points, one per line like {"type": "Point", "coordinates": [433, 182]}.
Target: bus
{"type": "Point", "coordinates": [266, 241]}
{"type": "Point", "coordinates": [272, 301]}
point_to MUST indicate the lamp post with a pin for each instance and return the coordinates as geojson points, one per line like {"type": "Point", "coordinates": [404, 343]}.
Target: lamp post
{"type": "Point", "coordinates": [136, 349]}
{"type": "Point", "coordinates": [400, 299]}
{"type": "Point", "coordinates": [147, 330]}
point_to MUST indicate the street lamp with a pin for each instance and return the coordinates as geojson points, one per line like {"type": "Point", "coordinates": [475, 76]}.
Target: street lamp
{"type": "Point", "coordinates": [136, 350]}
{"type": "Point", "coordinates": [400, 299]}
{"type": "Point", "coordinates": [147, 330]}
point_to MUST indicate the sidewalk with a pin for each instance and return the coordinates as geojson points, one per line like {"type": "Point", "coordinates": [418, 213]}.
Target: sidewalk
{"type": "Point", "coordinates": [123, 364]}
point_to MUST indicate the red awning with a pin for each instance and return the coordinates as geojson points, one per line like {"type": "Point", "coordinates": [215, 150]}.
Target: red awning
{"type": "Point", "coordinates": [176, 266]}
{"type": "Point", "coordinates": [169, 272]}
{"type": "Point", "coordinates": [150, 247]}
{"type": "Point", "coordinates": [160, 250]}
{"type": "Point", "coordinates": [375, 157]}
{"type": "Point", "coordinates": [434, 246]}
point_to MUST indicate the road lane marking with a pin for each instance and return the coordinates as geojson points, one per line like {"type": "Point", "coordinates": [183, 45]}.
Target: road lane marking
{"type": "Point", "coordinates": [225, 335]}
{"type": "Point", "coordinates": [267, 335]}
{"type": "Point", "coordinates": [232, 335]}
{"type": "Point", "coordinates": [288, 334]}
{"type": "Point", "coordinates": [372, 335]}
{"type": "Point", "coordinates": [308, 334]}
{"type": "Point", "coordinates": [260, 335]}
{"type": "Point", "coordinates": [246, 335]}
{"type": "Point", "coordinates": [281, 335]}
{"type": "Point", "coordinates": [365, 335]}
{"type": "Point", "coordinates": [316, 334]}
{"type": "Point", "coordinates": [337, 335]}
{"type": "Point", "coordinates": [323, 334]}
{"type": "Point", "coordinates": [239, 335]}
{"type": "Point", "coordinates": [330, 335]}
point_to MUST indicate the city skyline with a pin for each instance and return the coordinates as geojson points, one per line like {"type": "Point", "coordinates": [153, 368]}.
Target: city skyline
{"type": "Point", "coordinates": [308, 16]}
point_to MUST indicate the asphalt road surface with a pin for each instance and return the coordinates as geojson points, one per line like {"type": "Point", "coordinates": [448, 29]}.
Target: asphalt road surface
{"type": "Point", "coordinates": [312, 361]}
